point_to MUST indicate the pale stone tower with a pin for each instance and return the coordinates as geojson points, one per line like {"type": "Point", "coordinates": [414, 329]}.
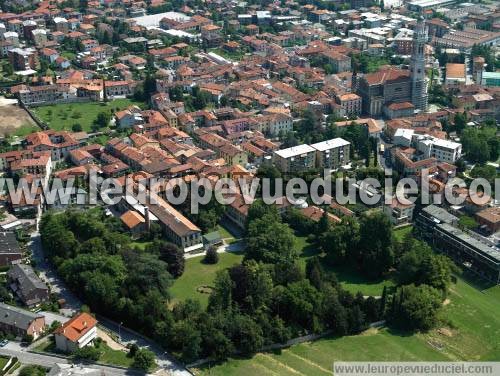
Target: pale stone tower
{"type": "Point", "coordinates": [417, 66]}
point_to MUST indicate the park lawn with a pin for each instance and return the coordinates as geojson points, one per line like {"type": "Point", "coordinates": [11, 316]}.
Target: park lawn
{"type": "Point", "coordinates": [196, 274]}
{"type": "Point", "coordinates": [475, 337]}
{"type": "Point", "coordinates": [63, 116]}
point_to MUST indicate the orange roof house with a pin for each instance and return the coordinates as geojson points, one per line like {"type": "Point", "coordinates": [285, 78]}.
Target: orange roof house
{"type": "Point", "coordinates": [76, 333]}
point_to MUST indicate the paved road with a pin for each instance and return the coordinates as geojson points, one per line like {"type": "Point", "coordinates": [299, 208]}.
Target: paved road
{"type": "Point", "coordinates": [73, 305]}
{"type": "Point", "coordinates": [237, 246]}
{"type": "Point", "coordinates": [25, 357]}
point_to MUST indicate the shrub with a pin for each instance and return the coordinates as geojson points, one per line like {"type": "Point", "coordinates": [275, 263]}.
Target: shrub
{"type": "Point", "coordinates": [211, 257]}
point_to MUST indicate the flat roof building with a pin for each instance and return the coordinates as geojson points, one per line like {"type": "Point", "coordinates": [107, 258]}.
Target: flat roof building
{"type": "Point", "coordinates": [295, 159]}
{"type": "Point", "coordinates": [332, 154]}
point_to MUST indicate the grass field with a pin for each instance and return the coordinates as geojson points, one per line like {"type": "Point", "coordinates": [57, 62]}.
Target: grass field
{"type": "Point", "coordinates": [197, 274]}
{"type": "Point", "coordinates": [473, 335]}
{"type": "Point", "coordinates": [64, 116]}
{"type": "Point", "coordinates": [26, 129]}
{"type": "Point", "coordinates": [400, 233]}
{"type": "Point", "coordinates": [3, 361]}
{"type": "Point", "coordinates": [114, 357]}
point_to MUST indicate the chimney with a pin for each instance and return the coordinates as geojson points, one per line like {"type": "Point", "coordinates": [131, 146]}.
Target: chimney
{"type": "Point", "coordinates": [148, 220]}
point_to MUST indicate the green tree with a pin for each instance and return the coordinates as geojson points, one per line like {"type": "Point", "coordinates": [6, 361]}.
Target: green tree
{"type": "Point", "coordinates": [416, 307]}
{"type": "Point", "coordinates": [103, 119]}
{"type": "Point", "coordinates": [144, 359]}
{"type": "Point", "coordinates": [269, 240]}
{"type": "Point", "coordinates": [32, 370]}
{"type": "Point", "coordinates": [174, 257]}
{"type": "Point", "coordinates": [90, 353]}
{"type": "Point", "coordinates": [246, 334]}
{"type": "Point", "coordinates": [375, 254]}
{"type": "Point", "coordinates": [211, 256]}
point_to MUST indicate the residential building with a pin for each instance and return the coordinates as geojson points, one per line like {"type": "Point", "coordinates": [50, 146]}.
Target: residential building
{"type": "Point", "coordinates": [455, 74]}
{"type": "Point", "coordinates": [176, 226]}
{"type": "Point", "coordinates": [20, 322]}
{"type": "Point", "coordinates": [26, 285]}
{"type": "Point", "coordinates": [489, 219]}
{"type": "Point", "coordinates": [9, 249]}
{"type": "Point", "coordinates": [23, 59]}
{"type": "Point", "coordinates": [332, 154]}
{"type": "Point", "coordinates": [399, 212]}
{"type": "Point", "coordinates": [442, 150]}
{"type": "Point", "coordinates": [295, 159]}
{"type": "Point", "coordinates": [351, 104]}
{"type": "Point", "coordinates": [76, 333]}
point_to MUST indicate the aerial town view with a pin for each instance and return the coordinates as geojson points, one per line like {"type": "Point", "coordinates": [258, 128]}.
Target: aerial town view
{"type": "Point", "coordinates": [272, 187]}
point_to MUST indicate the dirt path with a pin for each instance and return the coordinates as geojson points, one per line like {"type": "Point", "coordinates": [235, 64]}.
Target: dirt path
{"type": "Point", "coordinates": [110, 341]}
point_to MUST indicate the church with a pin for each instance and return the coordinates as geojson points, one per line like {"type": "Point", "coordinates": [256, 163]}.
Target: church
{"type": "Point", "coordinates": [390, 85]}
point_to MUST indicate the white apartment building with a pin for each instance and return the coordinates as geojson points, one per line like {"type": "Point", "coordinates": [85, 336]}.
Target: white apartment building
{"type": "Point", "coordinates": [332, 154]}
{"type": "Point", "coordinates": [442, 150]}
{"type": "Point", "coordinates": [295, 159]}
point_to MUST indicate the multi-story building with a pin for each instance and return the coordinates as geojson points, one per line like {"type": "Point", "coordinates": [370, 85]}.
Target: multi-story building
{"type": "Point", "coordinates": [351, 104]}
{"type": "Point", "coordinates": [295, 159]}
{"type": "Point", "coordinates": [176, 226]}
{"type": "Point", "coordinates": [332, 154]}
{"type": "Point", "coordinates": [211, 35]}
{"type": "Point", "coordinates": [399, 212]}
{"type": "Point", "coordinates": [27, 286]}
{"type": "Point", "coordinates": [9, 249]}
{"type": "Point", "coordinates": [472, 252]}
{"type": "Point", "coordinates": [23, 59]}
{"type": "Point", "coordinates": [442, 150]}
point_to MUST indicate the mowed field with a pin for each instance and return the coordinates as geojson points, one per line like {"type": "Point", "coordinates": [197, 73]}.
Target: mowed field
{"type": "Point", "coordinates": [470, 328]}
{"type": "Point", "coordinates": [473, 334]}
{"type": "Point", "coordinates": [64, 116]}
{"type": "Point", "coordinates": [197, 275]}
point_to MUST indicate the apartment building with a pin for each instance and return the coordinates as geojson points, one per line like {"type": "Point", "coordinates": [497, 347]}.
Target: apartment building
{"type": "Point", "coordinates": [442, 150]}
{"type": "Point", "coordinates": [23, 58]}
{"type": "Point", "coordinates": [351, 104]}
{"type": "Point", "coordinates": [295, 159]}
{"type": "Point", "coordinates": [332, 154]}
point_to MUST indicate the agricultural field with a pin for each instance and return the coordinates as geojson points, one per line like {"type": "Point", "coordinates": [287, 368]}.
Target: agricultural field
{"type": "Point", "coordinates": [471, 331]}
{"type": "Point", "coordinates": [65, 116]}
